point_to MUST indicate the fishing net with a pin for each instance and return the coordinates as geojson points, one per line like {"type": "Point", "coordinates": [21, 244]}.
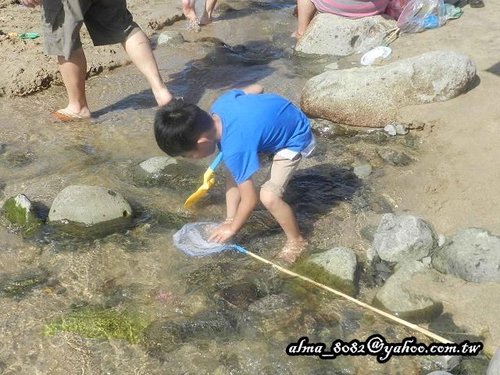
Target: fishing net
{"type": "Point", "coordinates": [192, 239]}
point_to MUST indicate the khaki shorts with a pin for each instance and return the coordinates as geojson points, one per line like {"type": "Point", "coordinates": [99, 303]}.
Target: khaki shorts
{"type": "Point", "coordinates": [280, 173]}
{"type": "Point", "coordinates": [108, 22]}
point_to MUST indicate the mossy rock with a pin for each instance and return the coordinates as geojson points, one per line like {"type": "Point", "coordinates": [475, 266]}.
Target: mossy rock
{"type": "Point", "coordinates": [320, 275]}
{"type": "Point", "coordinates": [19, 285]}
{"type": "Point", "coordinates": [19, 213]}
{"type": "Point", "coordinates": [95, 322]}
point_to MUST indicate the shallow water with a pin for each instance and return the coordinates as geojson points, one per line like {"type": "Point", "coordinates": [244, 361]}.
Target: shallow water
{"type": "Point", "coordinates": [224, 314]}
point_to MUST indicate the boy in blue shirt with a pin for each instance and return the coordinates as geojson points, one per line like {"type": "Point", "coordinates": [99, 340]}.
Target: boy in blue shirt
{"type": "Point", "coordinates": [243, 123]}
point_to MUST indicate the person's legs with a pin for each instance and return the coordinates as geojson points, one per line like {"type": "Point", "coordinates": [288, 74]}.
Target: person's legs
{"type": "Point", "coordinates": [271, 197]}
{"type": "Point", "coordinates": [139, 50]}
{"type": "Point", "coordinates": [206, 18]}
{"type": "Point", "coordinates": [305, 13]}
{"type": "Point", "coordinates": [188, 8]}
{"type": "Point", "coordinates": [74, 71]}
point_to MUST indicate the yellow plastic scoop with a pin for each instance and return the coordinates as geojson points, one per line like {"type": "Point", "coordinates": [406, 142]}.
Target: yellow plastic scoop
{"type": "Point", "coordinates": [208, 182]}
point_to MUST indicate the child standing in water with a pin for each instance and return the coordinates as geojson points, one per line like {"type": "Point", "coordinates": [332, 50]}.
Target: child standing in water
{"type": "Point", "coordinates": [243, 123]}
{"type": "Point", "coordinates": [189, 10]}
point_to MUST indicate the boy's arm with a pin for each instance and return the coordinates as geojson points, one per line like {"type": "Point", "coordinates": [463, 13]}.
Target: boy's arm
{"type": "Point", "coordinates": [253, 89]}
{"type": "Point", "coordinates": [232, 198]}
{"type": "Point", "coordinates": [247, 204]}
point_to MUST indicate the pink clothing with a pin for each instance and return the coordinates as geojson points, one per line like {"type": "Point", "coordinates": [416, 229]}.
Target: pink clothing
{"type": "Point", "coordinates": [351, 8]}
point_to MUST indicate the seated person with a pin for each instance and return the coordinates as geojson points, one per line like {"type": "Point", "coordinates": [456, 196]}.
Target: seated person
{"type": "Point", "coordinates": [243, 123]}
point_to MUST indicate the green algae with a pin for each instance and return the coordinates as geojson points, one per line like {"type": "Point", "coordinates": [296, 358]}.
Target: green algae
{"type": "Point", "coordinates": [22, 217]}
{"type": "Point", "coordinates": [102, 323]}
{"type": "Point", "coordinates": [320, 275]}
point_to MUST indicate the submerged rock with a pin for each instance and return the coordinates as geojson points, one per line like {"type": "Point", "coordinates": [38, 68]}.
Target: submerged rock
{"type": "Point", "coordinates": [471, 254]}
{"type": "Point", "coordinates": [96, 322]}
{"type": "Point", "coordinates": [335, 268]}
{"type": "Point", "coordinates": [170, 38]}
{"type": "Point", "coordinates": [17, 286]}
{"type": "Point", "coordinates": [19, 212]}
{"type": "Point", "coordinates": [164, 336]}
{"type": "Point", "coordinates": [90, 207]}
{"type": "Point", "coordinates": [395, 298]}
{"type": "Point", "coordinates": [372, 96]}
{"type": "Point", "coordinates": [403, 237]}
{"type": "Point", "coordinates": [164, 171]}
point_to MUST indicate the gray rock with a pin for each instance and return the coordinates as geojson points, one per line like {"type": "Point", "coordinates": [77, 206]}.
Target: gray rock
{"type": "Point", "coordinates": [335, 268]}
{"type": "Point", "coordinates": [394, 297]}
{"type": "Point", "coordinates": [88, 205]}
{"type": "Point", "coordinates": [390, 129]}
{"type": "Point", "coordinates": [448, 362]}
{"type": "Point", "coordinates": [372, 96]}
{"type": "Point", "coordinates": [363, 170]}
{"type": "Point", "coordinates": [396, 158]}
{"type": "Point", "coordinates": [494, 366]}
{"type": "Point", "coordinates": [155, 165]}
{"type": "Point", "coordinates": [339, 262]}
{"type": "Point", "coordinates": [439, 373]}
{"type": "Point", "coordinates": [401, 129]}
{"type": "Point", "coordinates": [403, 237]}
{"type": "Point", "coordinates": [329, 34]}
{"type": "Point", "coordinates": [170, 38]}
{"type": "Point", "coordinates": [471, 254]}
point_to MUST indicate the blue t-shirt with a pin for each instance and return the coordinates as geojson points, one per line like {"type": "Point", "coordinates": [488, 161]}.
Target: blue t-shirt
{"type": "Point", "coordinates": [253, 123]}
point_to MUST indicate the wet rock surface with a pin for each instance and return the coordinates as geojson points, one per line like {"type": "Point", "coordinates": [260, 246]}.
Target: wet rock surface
{"type": "Point", "coordinates": [403, 237]}
{"type": "Point", "coordinates": [395, 298]}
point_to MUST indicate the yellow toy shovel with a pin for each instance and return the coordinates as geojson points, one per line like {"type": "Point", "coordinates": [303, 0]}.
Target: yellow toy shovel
{"type": "Point", "coordinates": [208, 182]}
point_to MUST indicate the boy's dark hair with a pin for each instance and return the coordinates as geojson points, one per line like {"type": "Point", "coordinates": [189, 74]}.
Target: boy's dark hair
{"type": "Point", "coordinates": [178, 126]}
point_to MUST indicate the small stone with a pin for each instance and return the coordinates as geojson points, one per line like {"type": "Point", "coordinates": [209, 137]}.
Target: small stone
{"type": "Point", "coordinates": [390, 129]}
{"type": "Point", "coordinates": [441, 240]}
{"type": "Point", "coordinates": [171, 38]}
{"type": "Point", "coordinates": [401, 129]}
{"type": "Point", "coordinates": [448, 362]}
{"type": "Point", "coordinates": [156, 164]}
{"type": "Point", "coordinates": [363, 170]}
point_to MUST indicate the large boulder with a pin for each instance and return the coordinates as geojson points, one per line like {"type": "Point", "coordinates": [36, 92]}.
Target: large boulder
{"type": "Point", "coordinates": [472, 254]}
{"type": "Point", "coordinates": [329, 34]}
{"type": "Point", "coordinates": [89, 206]}
{"type": "Point", "coordinates": [403, 237]}
{"type": "Point", "coordinates": [372, 96]}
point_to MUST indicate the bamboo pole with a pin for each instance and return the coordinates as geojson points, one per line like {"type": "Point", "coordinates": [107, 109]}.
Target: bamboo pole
{"type": "Point", "coordinates": [343, 295]}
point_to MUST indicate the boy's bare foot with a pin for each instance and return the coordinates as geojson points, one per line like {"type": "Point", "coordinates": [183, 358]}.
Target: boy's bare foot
{"type": "Point", "coordinates": [292, 251]}
{"type": "Point", "coordinates": [296, 35]}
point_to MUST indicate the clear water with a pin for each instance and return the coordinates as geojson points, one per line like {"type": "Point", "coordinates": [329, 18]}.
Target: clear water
{"type": "Point", "coordinates": [212, 300]}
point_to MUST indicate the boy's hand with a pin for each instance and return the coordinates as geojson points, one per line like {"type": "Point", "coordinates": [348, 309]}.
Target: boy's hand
{"type": "Point", "coordinates": [222, 233]}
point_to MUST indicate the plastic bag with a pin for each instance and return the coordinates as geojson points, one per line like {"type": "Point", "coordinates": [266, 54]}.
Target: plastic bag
{"type": "Point", "coordinates": [192, 239]}
{"type": "Point", "coordinates": [419, 15]}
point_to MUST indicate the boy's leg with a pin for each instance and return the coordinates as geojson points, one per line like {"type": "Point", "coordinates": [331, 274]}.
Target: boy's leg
{"type": "Point", "coordinates": [271, 197]}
